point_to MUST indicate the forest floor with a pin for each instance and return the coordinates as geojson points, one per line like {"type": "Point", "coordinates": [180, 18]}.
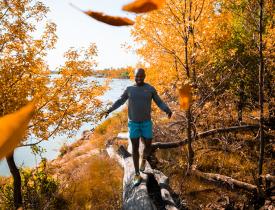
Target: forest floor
{"type": "Point", "coordinates": [89, 179]}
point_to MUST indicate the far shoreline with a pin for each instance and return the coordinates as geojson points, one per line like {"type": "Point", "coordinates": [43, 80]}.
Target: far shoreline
{"type": "Point", "coordinates": [120, 73]}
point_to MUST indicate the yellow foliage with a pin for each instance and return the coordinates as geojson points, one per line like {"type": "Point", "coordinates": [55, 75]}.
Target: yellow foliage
{"type": "Point", "coordinates": [13, 127]}
{"type": "Point", "coordinates": [102, 128]}
{"type": "Point", "coordinates": [177, 47]}
{"type": "Point", "coordinates": [66, 98]}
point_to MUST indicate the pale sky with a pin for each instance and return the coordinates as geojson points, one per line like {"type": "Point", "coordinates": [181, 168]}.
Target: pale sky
{"type": "Point", "coordinates": [75, 29]}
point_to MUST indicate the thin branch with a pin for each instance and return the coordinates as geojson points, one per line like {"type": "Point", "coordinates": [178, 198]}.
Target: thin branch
{"type": "Point", "coordinates": [31, 144]}
{"type": "Point", "coordinates": [56, 92]}
{"type": "Point", "coordinates": [176, 6]}
{"type": "Point", "coordinates": [53, 132]}
{"type": "Point", "coordinates": [210, 94]}
{"type": "Point", "coordinates": [200, 12]}
{"type": "Point", "coordinates": [249, 20]}
{"type": "Point", "coordinates": [179, 21]}
{"type": "Point", "coordinates": [4, 14]}
{"type": "Point", "coordinates": [172, 52]}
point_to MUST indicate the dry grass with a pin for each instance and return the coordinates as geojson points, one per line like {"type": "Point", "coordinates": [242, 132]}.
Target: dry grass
{"type": "Point", "coordinates": [97, 185]}
{"type": "Point", "coordinates": [89, 178]}
{"type": "Point", "coordinates": [230, 164]}
{"type": "Point", "coordinates": [231, 154]}
{"type": "Point", "coordinates": [109, 129]}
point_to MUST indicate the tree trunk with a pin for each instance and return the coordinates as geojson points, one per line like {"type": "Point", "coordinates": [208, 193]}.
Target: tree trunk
{"type": "Point", "coordinates": [17, 196]}
{"type": "Point", "coordinates": [186, 38]}
{"type": "Point", "coordinates": [188, 30]}
{"type": "Point", "coordinates": [240, 105]}
{"type": "Point", "coordinates": [189, 138]}
{"type": "Point", "coordinates": [261, 91]}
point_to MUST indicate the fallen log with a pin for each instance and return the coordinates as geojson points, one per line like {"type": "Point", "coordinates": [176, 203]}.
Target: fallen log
{"type": "Point", "coordinates": [134, 198]}
{"type": "Point", "coordinates": [138, 197]}
{"type": "Point", "coordinates": [258, 198]}
{"type": "Point", "coordinates": [225, 180]}
{"type": "Point", "coordinates": [168, 145]}
{"type": "Point", "coordinates": [163, 182]}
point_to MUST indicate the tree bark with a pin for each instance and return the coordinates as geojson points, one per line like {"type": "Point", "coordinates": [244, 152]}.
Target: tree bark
{"type": "Point", "coordinates": [189, 139]}
{"type": "Point", "coordinates": [17, 196]}
{"type": "Point", "coordinates": [163, 182]}
{"type": "Point", "coordinates": [167, 145]}
{"type": "Point", "coordinates": [261, 91]}
{"type": "Point", "coordinates": [240, 105]}
{"type": "Point", "coordinates": [134, 198]}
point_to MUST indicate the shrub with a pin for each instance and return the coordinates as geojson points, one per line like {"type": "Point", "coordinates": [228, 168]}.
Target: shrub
{"type": "Point", "coordinates": [125, 75]}
{"type": "Point", "coordinates": [39, 190]}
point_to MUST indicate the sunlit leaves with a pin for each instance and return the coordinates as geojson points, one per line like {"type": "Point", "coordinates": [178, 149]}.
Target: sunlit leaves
{"type": "Point", "coordinates": [161, 36]}
{"type": "Point", "coordinates": [111, 20]}
{"type": "Point", "coordinates": [66, 99]}
{"type": "Point", "coordinates": [13, 127]}
{"type": "Point", "coordinates": [142, 6]}
{"type": "Point", "coordinates": [185, 97]}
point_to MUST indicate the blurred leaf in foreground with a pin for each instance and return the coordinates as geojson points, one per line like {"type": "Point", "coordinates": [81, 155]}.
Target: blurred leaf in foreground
{"type": "Point", "coordinates": [111, 20]}
{"type": "Point", "coordinates": [142, 6]}
{"type": "Point", "coordinates": [185, 96]}
{"type": "Point", "coordinates": [13, 127]}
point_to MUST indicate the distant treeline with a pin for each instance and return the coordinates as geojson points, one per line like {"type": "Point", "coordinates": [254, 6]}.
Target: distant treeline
{"type": "Point", "coordinates": [119, 73]}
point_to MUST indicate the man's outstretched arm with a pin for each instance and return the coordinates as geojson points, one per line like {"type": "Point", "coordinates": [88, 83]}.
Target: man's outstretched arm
{"type": "Point", "coordinates": [161, 104]}
{"type": "Point", "coordinates": [123, 98]}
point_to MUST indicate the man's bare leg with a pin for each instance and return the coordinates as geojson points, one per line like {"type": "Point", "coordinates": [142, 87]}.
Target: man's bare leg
{"type": "Point", "coordinates": [146, 152]}
{"type": "Point", "coordinates": [147, 147]}
{"type": "Point", "coordinates": [135, 154]}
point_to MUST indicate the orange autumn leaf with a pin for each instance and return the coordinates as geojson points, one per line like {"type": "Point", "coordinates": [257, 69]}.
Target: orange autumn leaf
{"type": "Point", "coordinates": [185, 97]}
{"type": "Point", "coordinates": [141, 6]}
{"type": "Point", "coordinates": [111, 20]}
{"type": "Point", "coordinates": [13, 127]}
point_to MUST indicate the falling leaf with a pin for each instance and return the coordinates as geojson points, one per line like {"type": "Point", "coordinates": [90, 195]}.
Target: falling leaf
{"type": "Point", "coordinates": [185, 97]}
{"type": "Point", "coordinates": [141, 6]}
{"type": "Point", "coordinates": [111, 20]}
{"type": "Point", "coordinates": [13, 127]}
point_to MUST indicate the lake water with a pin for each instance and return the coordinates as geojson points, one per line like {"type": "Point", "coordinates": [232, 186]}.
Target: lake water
{"type": "Point", "coordinates": [23, 156]}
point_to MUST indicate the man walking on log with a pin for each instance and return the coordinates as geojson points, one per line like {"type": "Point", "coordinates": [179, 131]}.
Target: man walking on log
{"type": "Point", "coordinates": [139, 98]}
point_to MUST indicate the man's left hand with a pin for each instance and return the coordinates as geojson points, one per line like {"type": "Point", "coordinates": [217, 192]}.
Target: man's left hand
{"type": "Point", "coordinates": [104, 115]}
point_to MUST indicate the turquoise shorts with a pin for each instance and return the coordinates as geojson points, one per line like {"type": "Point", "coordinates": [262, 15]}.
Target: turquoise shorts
{"type": "Point", "coordinates": [140, 129]}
